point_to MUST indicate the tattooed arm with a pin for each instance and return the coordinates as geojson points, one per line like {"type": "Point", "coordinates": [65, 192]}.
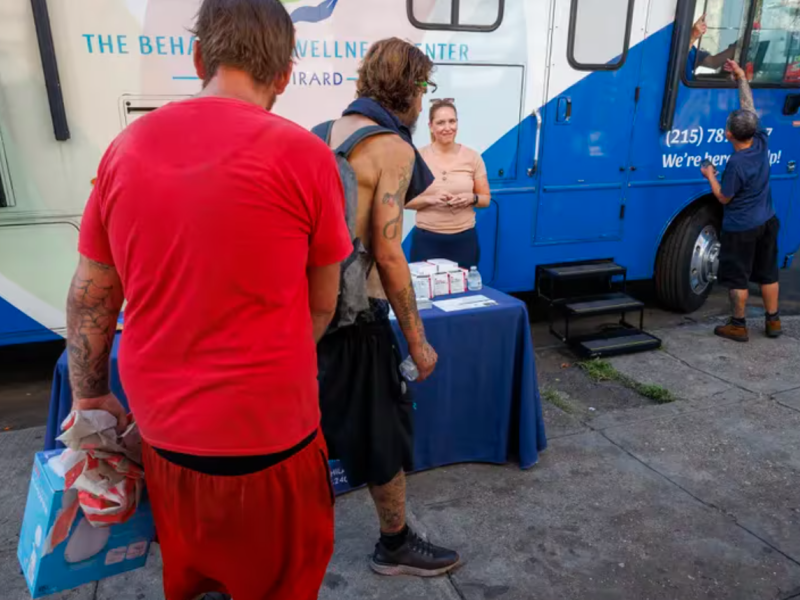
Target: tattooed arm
{"type": "Point", "coordinates": [95, 299]}
{"type": "Point", "coordinates": [397, 164]}
{"type": "Point", "coordinates": [745, 93]}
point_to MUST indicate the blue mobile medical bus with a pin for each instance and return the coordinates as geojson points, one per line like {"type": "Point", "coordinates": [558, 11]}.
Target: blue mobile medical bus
{"type": "Point", "coordinates": [593, 117]}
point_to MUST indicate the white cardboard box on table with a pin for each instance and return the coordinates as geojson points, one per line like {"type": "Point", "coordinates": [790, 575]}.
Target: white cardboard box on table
{"type": "Point", "coordinates": [458, 281]}
{"type": "Point", "coordinates": [441, 284]}
{"type": "Point", "coordinates": [443, 265]}
{"type": "Point", "coordinates": [422, 269]}
{"type": "Point", "coordinates": [423, 286]}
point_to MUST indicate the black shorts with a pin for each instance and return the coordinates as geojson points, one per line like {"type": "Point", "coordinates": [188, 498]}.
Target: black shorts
{"type": "Point", "coordinates": [366, 406]}
{"type": "Point", "coordinates": [750, 255]}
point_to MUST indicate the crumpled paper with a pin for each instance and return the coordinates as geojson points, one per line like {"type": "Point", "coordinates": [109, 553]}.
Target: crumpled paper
{"type": "Point", "coordinates": [102, 470]}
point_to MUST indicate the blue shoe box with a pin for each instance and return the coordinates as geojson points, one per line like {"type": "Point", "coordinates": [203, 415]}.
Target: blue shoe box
{"type": "Point", "coordinates": [88, 553]}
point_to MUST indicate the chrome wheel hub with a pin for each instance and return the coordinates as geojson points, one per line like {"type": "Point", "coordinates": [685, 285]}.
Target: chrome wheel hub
{"type": "Point", "coordinates": [705, 260]}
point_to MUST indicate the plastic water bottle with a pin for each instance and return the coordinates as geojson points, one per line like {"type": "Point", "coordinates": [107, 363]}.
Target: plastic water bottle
{"type": "Point", "coordinates": [409, 370]}
{"type": "Point", "coordinates": [474, 280]}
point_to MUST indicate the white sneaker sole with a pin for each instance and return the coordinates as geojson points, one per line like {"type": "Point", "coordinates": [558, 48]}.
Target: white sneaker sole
{"type": "Point", "coordinates": [392, 570]}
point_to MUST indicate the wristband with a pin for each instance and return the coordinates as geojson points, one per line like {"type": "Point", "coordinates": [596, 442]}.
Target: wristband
{"type": "Point", "coordinates": [476, 200]}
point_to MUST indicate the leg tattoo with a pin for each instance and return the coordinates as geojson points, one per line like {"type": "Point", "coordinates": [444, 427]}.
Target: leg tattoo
{"type": "Point", "coordinates": [390, 502]}
{"type": "Point", "coordinates": [738, 300]}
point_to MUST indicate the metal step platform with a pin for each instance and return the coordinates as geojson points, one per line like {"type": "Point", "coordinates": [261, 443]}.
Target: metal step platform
{"type": "Point", "coordinates": [615, 343]}
{"type": "Point", "coordinates": [583, 270]}
{"type": "Point", "coordinates": [592, 289]}
{"type": "Point", "coordinates": [602, 304]}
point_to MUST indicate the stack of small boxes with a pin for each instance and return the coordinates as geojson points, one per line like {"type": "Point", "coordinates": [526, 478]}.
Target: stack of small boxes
{"type": "Point", "coordinates": [438, 277]}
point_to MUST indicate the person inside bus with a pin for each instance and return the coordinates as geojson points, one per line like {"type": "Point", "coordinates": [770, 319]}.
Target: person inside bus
{"type": "Point", "coordinates": [230, 262]}
{"type": "Point", "coordinates": [701, 58]}
{"type": "Point", "coordinates": [446, 211]}
{"type": "Point", "coordinates": [749, 237]}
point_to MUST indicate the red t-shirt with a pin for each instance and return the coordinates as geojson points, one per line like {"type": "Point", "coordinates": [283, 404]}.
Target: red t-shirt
{"type": "Point", "coordinates": [211, 210]}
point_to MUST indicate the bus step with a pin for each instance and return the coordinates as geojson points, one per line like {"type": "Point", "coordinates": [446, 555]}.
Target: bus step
{"type": "Point", "coordinates": [614, 343]}
{"type": "Point", "coordinates": [605, 268]}
{"type": "Point", "coordinates": [602, 304]}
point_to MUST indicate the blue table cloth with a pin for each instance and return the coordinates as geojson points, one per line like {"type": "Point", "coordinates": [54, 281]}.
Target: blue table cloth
{"type": "Point", "coordinates": [481, 404]}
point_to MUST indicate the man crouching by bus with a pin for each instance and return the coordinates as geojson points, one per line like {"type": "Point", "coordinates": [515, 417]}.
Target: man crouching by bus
{"type": "Point", "coordinates": [366, 411]}
{"type": "Point", "coordinates": [749, 227]}
{"type": "Point", "coordinates": [223, 226]}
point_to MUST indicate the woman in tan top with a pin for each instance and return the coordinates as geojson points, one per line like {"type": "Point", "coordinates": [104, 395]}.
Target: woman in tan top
{"type": "Point", "coordinates": [446, 211]}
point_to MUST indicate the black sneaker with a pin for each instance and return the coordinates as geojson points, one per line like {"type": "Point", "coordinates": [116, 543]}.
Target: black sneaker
{"type": "Point", "coordinates": [416, 557]}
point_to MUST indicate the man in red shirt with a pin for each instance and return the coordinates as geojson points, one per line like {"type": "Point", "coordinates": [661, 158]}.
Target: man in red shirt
{"type": "Point", "coordinates": [222, 225]}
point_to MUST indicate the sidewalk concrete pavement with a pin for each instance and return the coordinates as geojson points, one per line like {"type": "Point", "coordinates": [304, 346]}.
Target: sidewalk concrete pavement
{"type": "Point", "coordinates": [696, 499]}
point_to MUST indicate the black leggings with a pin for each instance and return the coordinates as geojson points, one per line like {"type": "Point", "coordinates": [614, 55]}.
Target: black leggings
{"type": "Point", "coordinates": [462, 248]}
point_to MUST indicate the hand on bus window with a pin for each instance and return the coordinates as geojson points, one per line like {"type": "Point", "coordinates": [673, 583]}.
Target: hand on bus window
{"type": "Point", "coordinates": [732, 67]}
{"type": "Point", "coordinates": [699, 29]}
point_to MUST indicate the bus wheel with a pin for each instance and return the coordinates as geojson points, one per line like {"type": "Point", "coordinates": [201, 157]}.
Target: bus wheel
{"type": "Point", "coordinates": [688, 259]}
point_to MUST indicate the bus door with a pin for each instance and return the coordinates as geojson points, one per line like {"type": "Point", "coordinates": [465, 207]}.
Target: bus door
{"type": "Point", "coordinates": [588, 119]}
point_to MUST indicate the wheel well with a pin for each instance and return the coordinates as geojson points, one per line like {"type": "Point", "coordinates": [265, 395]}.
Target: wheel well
{"type": "Point", "coordinates": [708, 200]}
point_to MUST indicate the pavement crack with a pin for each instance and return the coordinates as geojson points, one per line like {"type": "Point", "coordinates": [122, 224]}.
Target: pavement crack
{"type": "Point", "coordinates": [454, 585]}
{"type": "Point", "coordinates": [790, 407]}
{"type": "Point", "coordinates": [717, 377]}
{"type": "Point", "coordinates": [709, 505]}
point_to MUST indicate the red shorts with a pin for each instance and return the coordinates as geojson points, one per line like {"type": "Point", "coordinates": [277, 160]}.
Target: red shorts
{"type": "Point", "coordinates": [264, 536]}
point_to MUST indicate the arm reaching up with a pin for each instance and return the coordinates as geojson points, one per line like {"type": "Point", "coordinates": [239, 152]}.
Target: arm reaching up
{"type": "Point", "coordinates": [745, 93]}
{"type": "Point", "coordinates": [387, 237]}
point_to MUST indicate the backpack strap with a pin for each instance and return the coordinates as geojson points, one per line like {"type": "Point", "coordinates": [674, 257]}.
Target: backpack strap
{"type": "Point", "coordinates": [323, 131]}
{"type": "Point", "coordinates": [347, 147]}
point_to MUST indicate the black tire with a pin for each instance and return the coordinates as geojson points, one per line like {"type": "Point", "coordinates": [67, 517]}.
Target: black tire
{"type": "Point", "coordinates": [672, 277]}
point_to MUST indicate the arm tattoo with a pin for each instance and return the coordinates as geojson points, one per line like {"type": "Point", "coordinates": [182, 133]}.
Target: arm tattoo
{"type": "Point", "coordinates": [397, 199]}
{"type": "Point", "coordinates": [746, 95]}
{"type": "Point", "coordinates": [392, 226]}
{"type": "Point", "coordinates": [92, 311]}
{"type": "Point", "coordinates": [404, 304]}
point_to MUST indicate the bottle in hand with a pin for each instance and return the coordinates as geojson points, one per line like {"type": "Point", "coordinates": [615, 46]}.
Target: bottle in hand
{"type": "Point", "coordinates": [409, 370]}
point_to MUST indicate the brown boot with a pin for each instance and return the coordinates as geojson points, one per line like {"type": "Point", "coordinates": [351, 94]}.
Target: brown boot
{"type": "Point", "coordinates": [773, 328]}
{"type": "Point", "coordinates": [731, 331]}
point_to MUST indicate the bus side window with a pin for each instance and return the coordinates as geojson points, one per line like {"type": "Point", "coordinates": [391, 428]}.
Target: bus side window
{"type": "Point", "coordinates": [726, 22]}
{"type": "Point", "coordinates": [456, 15]}
{"type": "Point", "coordinates": [599, 34]}
{"type": "Point", "coordinates": [773, 54]}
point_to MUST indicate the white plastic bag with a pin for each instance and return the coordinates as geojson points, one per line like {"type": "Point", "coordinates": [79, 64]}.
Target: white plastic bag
{"type": "Point", "coordinates": [102, 468]}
